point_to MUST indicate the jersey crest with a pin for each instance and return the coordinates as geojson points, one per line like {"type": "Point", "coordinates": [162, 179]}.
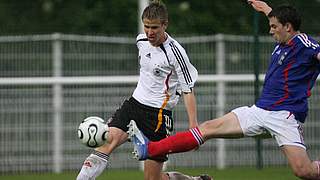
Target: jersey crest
{"type": "Point", "coordinates": [282, 57]}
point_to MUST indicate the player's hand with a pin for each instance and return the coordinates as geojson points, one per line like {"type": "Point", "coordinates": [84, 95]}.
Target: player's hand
{"type": "Point", "coordinates": [260, 6]}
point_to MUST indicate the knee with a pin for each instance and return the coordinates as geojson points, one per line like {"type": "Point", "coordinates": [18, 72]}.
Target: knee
{"type": "Point", "coordinates": [116, 135]}
{"type": "Point", "coordinates": [205, 127]}
{"type": "Point", "coordinates": [208, 129]}
{"type": "Point", "coordinates": [115, 138]}
{"type": "Point", "coordinates": [203, 130]}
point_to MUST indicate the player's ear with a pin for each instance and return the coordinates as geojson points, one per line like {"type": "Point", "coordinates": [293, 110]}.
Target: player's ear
{"type": "Point", "coordinates": [165, 25]}
{"type": "Point", "coordinates": [288, 27]}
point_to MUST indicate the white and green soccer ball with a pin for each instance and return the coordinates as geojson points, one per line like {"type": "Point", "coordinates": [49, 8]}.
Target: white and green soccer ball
{"type": "Point", "coordinates": [93, 131]}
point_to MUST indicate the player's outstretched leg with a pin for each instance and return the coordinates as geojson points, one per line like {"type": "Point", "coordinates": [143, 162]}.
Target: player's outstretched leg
{"type": "Point", "coordinates": [139, 140]}
{"type": "Point", "coordinates": [179, 176]}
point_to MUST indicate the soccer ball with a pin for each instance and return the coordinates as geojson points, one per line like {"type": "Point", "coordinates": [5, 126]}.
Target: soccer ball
{"type": "Point", "coordinates": [93, 132]}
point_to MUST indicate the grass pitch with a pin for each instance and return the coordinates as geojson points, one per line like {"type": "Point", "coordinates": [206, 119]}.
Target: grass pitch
{"type": "Point", "coordinates": [274, 173]}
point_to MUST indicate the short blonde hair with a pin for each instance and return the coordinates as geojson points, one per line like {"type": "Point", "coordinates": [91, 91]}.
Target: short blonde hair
{"type": "Point", "coordinates": [156, 10]}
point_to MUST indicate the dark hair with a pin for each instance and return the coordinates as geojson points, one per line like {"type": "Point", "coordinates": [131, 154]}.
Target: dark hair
{"type": "Point", "coordinates": [287, 14]}
{"type": "Point", "coordinates": [156, 10]}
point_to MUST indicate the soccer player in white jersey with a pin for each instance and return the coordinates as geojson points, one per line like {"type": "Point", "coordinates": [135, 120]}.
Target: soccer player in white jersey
{"type": "Point", "coordinates": [281, 109]}
{"type": "Point", "coordinates": [165, 74]}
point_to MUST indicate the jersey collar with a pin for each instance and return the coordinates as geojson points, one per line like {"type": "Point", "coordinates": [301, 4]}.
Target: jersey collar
{"type": "Point", "coordinates": [291, 41]}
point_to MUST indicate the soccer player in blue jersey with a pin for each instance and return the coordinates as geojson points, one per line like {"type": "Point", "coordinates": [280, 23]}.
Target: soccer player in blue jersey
{"type": "Point", "coordinates": [281, 109]}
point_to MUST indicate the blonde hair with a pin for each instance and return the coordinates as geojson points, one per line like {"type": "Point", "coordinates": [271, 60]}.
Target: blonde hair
{"type": "Point", "coordinates": [156, 10]}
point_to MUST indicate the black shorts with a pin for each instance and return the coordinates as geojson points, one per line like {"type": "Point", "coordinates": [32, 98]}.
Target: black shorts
{"type": "Point", "coordinates": [155, 123]}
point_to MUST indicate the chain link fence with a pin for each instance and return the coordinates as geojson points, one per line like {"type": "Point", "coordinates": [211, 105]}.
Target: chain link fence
{"type": "Point", "coordinates": [50, 83]}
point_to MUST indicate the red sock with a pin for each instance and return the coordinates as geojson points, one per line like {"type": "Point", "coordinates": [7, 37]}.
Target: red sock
{"type": "Point", "coordinates": [180, 142]}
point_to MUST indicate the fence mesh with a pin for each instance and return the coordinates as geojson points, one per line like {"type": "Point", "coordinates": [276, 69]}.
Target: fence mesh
{"type": "Point", "coordinates": [27, 111]}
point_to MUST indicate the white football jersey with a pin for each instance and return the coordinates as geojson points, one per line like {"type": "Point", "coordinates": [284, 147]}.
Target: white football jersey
{"type": "Point", "coordinates": [165, 72]}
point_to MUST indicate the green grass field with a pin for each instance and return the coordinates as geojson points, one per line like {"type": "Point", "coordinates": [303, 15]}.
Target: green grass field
{"type": "Point", "coordinates": [276, 173]}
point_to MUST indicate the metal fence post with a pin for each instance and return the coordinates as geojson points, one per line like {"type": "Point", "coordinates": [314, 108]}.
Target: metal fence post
{"type": "Point", "coordinates": [256, 53]}
{"type": "Point", "coordinates": [221, 99]}
{"type": "Point", "coordinates": [57, 103]}
{"type": "Point", "coordinates": [142, 4]}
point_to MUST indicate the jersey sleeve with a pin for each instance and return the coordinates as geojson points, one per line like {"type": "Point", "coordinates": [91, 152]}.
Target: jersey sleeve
{"type": "Point", "coordinates": [186, 72]}
{"type": "Point", "coordinates": [140, 38]}
{"type": "Point", "coordinates": [311, 45]}
{"type": "Point", "coordinates": [317, 51]}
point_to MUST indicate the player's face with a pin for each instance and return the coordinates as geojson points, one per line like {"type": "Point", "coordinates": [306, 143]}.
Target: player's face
{"type": "Point", "coordinates": [155, 31]}
{"type": "Point", "coordinates": [279, 31]}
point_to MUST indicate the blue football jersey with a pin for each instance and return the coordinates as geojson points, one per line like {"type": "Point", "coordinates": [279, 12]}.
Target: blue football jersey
{"type": "Point", "coordinates": [291, 74]}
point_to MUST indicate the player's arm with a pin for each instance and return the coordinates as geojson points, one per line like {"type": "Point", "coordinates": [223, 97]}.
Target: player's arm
{"type": "Point", "coordinates": [318, 56]}
{"type": "Point", "coordinates": [260, 6]}
{"type": "Point", "coordinates": [187, 76]}
{"type": "Point", "coordinates": [191, 107]}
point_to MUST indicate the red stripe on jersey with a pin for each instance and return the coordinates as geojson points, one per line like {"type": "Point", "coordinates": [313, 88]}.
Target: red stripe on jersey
{"type": "Point", "coordinates": [286, 85]}
{"type": "Point", "coordinates": [309, 89]}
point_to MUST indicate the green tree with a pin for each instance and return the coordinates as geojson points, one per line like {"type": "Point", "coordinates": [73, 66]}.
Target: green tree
{"type": "Point", "coordinates": [114, 17]}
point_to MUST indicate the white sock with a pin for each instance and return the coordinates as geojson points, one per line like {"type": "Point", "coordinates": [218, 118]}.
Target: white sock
{"type": "Point", "coordinates": [93, 166]}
